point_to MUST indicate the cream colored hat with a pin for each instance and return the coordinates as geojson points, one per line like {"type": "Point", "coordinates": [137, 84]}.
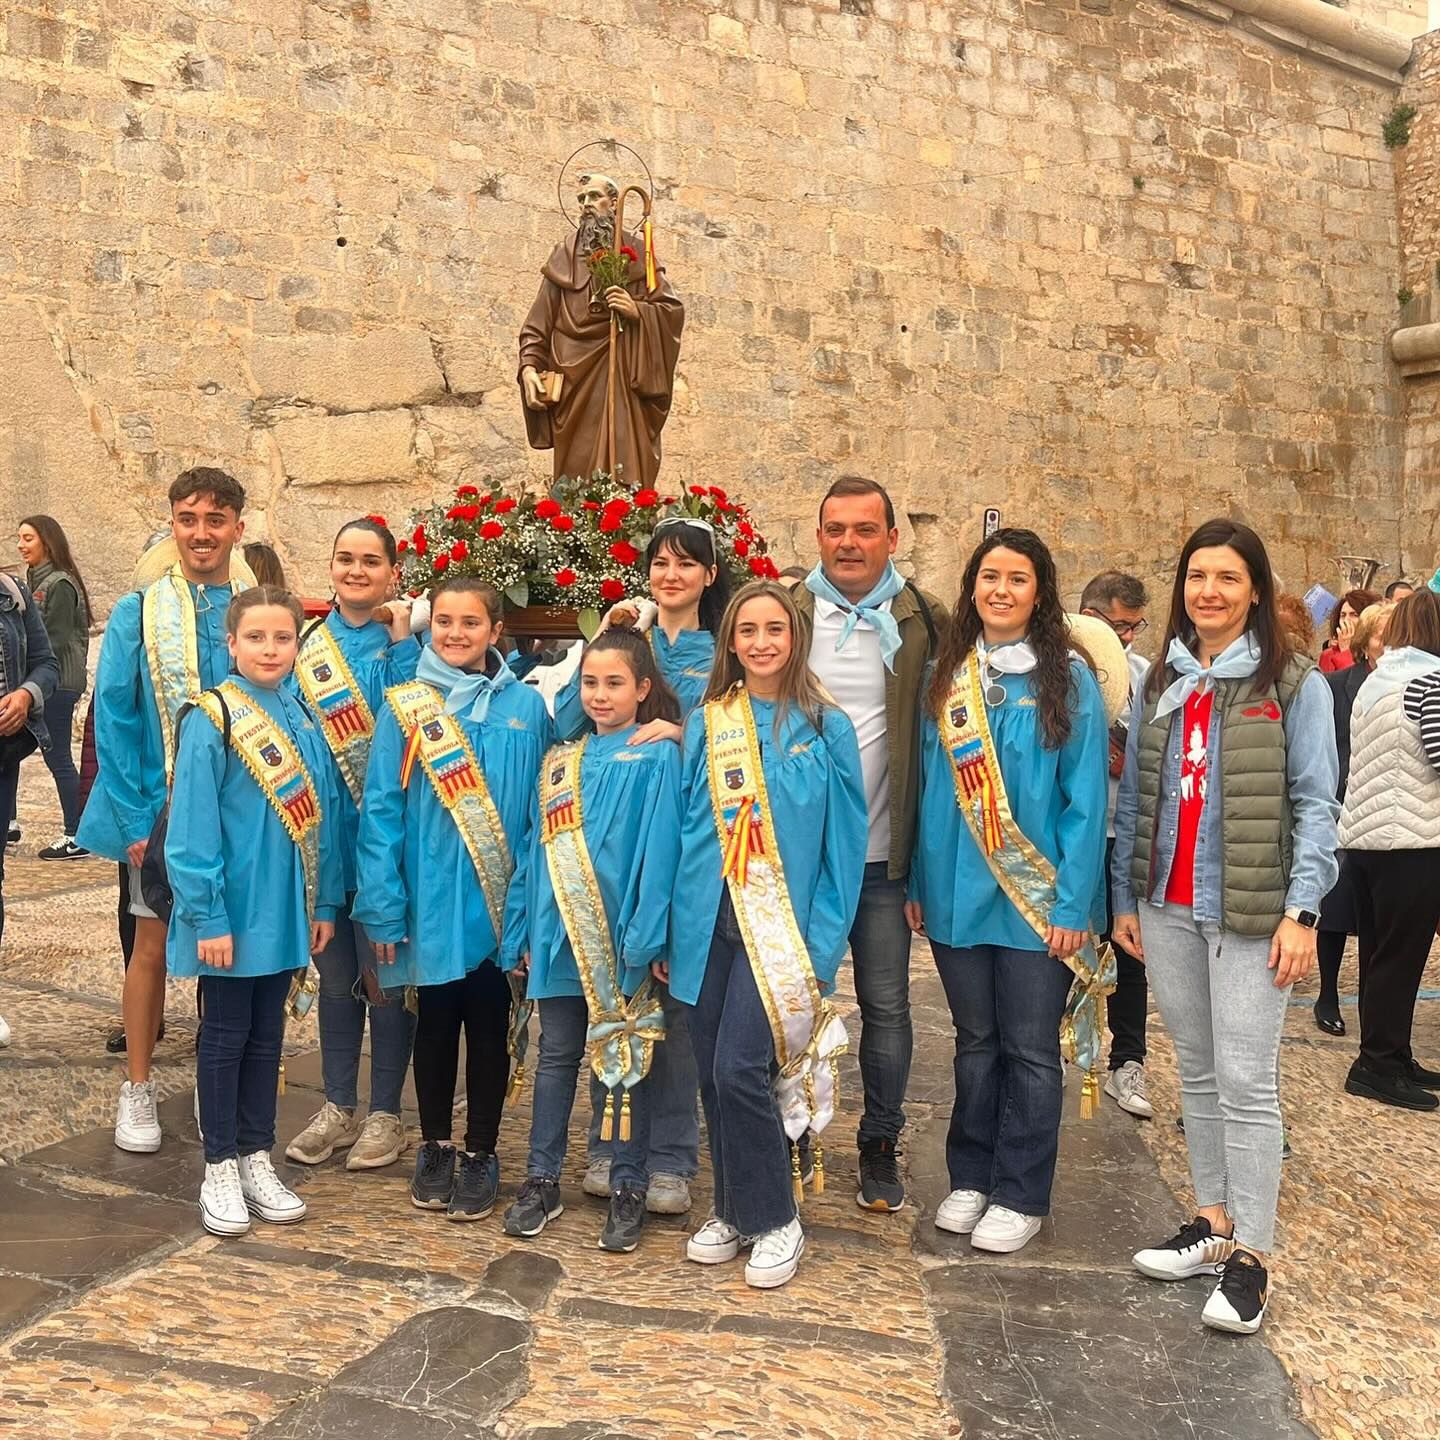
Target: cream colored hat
{"type": "Point", "coordinates": [1110, 666]}
{"type": "Point", "coordinates": [163, 556]}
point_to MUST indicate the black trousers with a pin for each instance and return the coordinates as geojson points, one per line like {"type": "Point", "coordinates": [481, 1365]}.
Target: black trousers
{"type": "Point", "coordinates": [480, 1005]}
{"type": "Point", "coordinates": [1397, 895]}
{"type": "Point", "coordinates": [1125, 1009]}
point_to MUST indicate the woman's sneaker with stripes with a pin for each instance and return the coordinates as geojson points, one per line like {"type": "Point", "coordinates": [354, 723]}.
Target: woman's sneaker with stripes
{"type": "Point", "coordinates": [1237, 1304]}
{"type": "Point", "coordinates": [1195, 1250]}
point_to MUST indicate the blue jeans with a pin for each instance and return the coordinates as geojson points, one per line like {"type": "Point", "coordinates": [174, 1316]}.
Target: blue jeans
{"type": "Point", "coordinates": [672, 1095]}
{"type": "Point", "coordinates": [563, 1022]}
{"type": "Point", "coordinates": [749, 1151]}
{"type": "Point", "coordinates": [59, 760]}
{"type": "Point", "coordinates": [880, 950]}
{"type": "Point", "coordinates": [242, 1025]}
{"type": "Point", "coordinates": [347, 976]}
{"type": "Point", "coordinates": [1005, 1128]}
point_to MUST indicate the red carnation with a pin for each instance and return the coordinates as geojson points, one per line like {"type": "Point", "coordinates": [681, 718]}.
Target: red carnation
{"type": "Point", "coordinates": [547, 509]}
{"type": "Point", "coordinates": [628, 251]}
{"type": "Point", "coordinates": [462, 512]}
{"type": "Point", "coordinates": [563, 522]}
{"type": "Point", "coordinates": [772, 570]}
{"type": "Point", "coordinates": [466, 490]}
{"type": "Point", "coordinates": [402, 546]}
{"type": "Point", "coordinates": [700, 490]}
{"type": "Point", "coordinates": [617, 506]}
{"type": "Point", "coordinates": [624, 552]}
{"type": "Point", "coordinates": [441, 561]}
{"type": "Point", "coordinates": [503, 507]}
{"type": "Point", "coordinates": [647, 499]}
{"type": "Point", "coordinates": [491, 530]}
{"type": "Point", "coordinates": [758, 565]}
{"type": "Point", "coordinates": [742, 548]}
{"type": "Point", "coordinates": [610, 521]}
{"type": "Point", "coordinates": [612, 589]}
{"type": "Point", "coordinates": [459, 550]}
{"type": "Point", "coordinates": [565, 577]}
{"type": "Point", "coordinates": [589, 504]}
{"type": "Point", "coordinates": [746, 529]}
{"type": "Point", "coordinates": [378, 520]}
{"type": "Point", "coordinates": [419, 541]}
{"type": "Point", "coordinates": [718, 493]}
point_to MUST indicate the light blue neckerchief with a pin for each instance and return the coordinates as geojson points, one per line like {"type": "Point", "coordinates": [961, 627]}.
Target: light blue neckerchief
{"type": "Point", "coordinates": [1394, 671]}
{"type": "Point", "coordinates": [1237, 661]}
{"type": "Point", "coordinates": [881, 621]}
{"type": "Point", "coordinates": [462, 689]}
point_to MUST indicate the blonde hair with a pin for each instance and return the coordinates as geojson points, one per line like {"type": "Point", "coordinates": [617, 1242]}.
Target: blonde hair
{"type": "Point", "coordinates": [798, 685]}
{"type": "Point", "coordinates": [1372, 618]}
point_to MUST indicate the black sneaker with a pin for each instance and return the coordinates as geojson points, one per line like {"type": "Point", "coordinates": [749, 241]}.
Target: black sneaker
{"type": "Point", "coordinates": [806, 1146]}
{"type": "Point", "coordinates": [1425, 1078]}
{"type": "Point", "coordinates": [1237, 1303]}
{"type": "Point", "coordinates": [434, 1176]}
{"type": "Point", "coordinates": [477, 1181]}
{"type": "Point", "coordinates": [12, 836]}
{"type": "Point", "coordinates": [1195, 1250]}
{"type": "Point", "coordinates": [537, 1204]}
{"type": "Point", "coordinates": [1397, 1090]}
{"type": "Point", "coordinates": [65, 848]}
{"type": "Point", "coordinates": [625, 1221]}
{"type": "Point", "coordinates": [880, 1187]}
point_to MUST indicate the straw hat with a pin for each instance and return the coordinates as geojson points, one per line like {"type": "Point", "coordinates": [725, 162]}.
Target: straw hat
{"type": "Point", "coordinates": [1111, 668]}
{"type": "Point", "coordinates": [162, 557]}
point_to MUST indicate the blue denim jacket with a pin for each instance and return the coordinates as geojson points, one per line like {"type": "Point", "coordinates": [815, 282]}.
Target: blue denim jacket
{"type": "Point", "coordinates": [1313, 774]}
{"type": "Point", "coordinates": [29, 662]}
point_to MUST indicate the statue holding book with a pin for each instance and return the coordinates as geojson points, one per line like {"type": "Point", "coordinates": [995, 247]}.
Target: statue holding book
{"type": "Point", "coordinates": [599, 347]}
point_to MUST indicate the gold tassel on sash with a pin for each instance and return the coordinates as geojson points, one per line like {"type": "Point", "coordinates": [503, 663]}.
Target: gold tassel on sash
{"type": "Point", "coordinates": [625, 1116]}
{"type": "Point", "coordinates": [280, 1078]}
{"type": "Point", "coordinates": [607, 1121]}
{"type": "Point", "coordinates": [795, 1177]}
{"type": "Point", "coordinates": [1089, 1094]}
{"type": "Point", "coordinates": [517, 1084]}
{"type": "Point", "coordinates": [818, 1185]}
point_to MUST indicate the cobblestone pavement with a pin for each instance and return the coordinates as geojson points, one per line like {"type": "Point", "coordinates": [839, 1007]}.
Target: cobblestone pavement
{"type": "Point", "coordinates": [120, 1317]}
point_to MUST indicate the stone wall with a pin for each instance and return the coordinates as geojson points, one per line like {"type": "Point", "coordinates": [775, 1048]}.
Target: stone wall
{"type": "Point", "coordinates": [1108, 265]}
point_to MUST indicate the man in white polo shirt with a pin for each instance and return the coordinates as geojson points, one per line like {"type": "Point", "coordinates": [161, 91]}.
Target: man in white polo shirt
{"type": "Point", "coordinates": [871, 634]}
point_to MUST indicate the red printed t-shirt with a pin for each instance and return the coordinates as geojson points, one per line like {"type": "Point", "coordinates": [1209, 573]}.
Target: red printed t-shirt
{"type": "Point", "coordinates": [1194, 783]}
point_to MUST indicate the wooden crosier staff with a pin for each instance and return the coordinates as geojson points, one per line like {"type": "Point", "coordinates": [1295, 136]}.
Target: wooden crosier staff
{"type": "Point", "coordinates": [651, 281]}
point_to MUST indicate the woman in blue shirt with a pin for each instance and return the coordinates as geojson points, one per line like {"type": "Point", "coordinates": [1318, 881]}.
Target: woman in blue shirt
{"type": "Point", "coordinates": [1005, 672]}
{"type": "Point", "coordinates": [347, 663]}
{"type": "Point", "coordinates": [629, 827]}
{"type": "Point", "coordinates": [255, 895]}
{"type": "Point", "coordinates": [690, 588]}
{"type": "Point", "coordinates": [449, 801]}
{"type": "Point", "coordinates": [772, 765]}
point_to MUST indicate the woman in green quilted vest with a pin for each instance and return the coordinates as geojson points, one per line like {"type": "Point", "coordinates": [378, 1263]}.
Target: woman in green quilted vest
{"type": "Point", "coordinates": [1224, 848]}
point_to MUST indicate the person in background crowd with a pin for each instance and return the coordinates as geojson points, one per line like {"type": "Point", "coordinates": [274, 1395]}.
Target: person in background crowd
{"type": "Point", "coordinates": [792, 575]}
{"type": "Point", "coordinates": [64, 604]}
{"type": "Point", "coordinates": [871, 634]}
{"type": "Point", "coordinates": [28, 675]}
{"type": "Point", "coordinates": [1014, 714]}
{"type": "Point", "coordinates": [1296, 621]}
{"type": "Point", "coordinates": [1120, 600]}
{"type": "Point", "coordinates": [1337, 912]}
{"type": "Point", "coordinates": [1399, 589]}
{"type": "Point", "coordinates": [1224, 849]}
{"type": "Point", "coordinates": [1390, 828]}
{"type": "Point", "coordinates": [263, 560]}
{"type": "Point", "coordinates": [1336, 654]}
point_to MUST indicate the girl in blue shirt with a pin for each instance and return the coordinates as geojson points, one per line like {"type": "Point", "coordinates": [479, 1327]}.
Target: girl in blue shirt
{"type": "Point", "coordinates": [690, 588]}
{"type": "Point", "coordinates": [250, 906]}
{"type": "Point", "coordinates": [376, 655]}
{"type": "Point", "coordinates": [1007, 983]}
{"type": "Point", "coordinates": [432, 875]}
{"type": "Point", "coordinates": [630, 825]}
{"type": "Point", "coordinates": [814, 817]}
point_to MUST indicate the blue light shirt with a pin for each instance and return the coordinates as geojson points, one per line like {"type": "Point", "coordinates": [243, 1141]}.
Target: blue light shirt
{"type": "Point", "coordinates": [684, 662]}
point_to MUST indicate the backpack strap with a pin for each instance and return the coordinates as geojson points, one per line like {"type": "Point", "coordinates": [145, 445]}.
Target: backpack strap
{"type": "Point", "coordinates": [925, 613]}
{"type": "Point", "coordinates": [190, 705]}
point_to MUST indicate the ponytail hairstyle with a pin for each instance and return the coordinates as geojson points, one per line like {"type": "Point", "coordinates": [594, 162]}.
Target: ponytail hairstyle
{"type": "Point", "coordinates": [659, 702]}
{"type": "Point", "coordinates": [681, 535]}
{"type": "Point", "coordinates": [57, 551]}
{"type": "Point", "coordinates": [472, 585]}
{"type": "Point", "coordinates": [372, 525]}
{"type": "Point", "coordinates": [257, 596]}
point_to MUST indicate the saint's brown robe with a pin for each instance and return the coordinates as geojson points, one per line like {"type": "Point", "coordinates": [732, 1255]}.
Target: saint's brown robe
{"type": "Point", "coordinates": [562, 332]}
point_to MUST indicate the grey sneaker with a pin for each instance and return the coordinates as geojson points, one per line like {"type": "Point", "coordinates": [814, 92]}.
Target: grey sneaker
{"type": "Point", "coordinates": [537, 1204]}
{"type": "Point", "coordinates": [1126, 1087]}
{"type": "Point", "coordinates": [381, 1142]}
{"type": "Point", "coordinates": [597, 1178]}
{"type": "Point", "coordinates": [330, 1129]}
{"type": "Point", "coordinates": [666, 1194]}
{"type": "Point", "coordinates": [625, 1221]}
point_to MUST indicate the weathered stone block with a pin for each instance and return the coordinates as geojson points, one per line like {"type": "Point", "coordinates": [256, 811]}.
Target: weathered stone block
{"type": "Point", "coordinates": [347, 449]}
{"type": "Point", "coordinates": [349, 373]}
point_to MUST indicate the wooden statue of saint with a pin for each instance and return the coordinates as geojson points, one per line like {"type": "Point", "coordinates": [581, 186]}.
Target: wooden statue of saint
{"type": "Point", "coordinates": [565, 347]}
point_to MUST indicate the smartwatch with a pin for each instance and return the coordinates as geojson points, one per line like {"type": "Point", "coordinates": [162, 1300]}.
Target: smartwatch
{"type": "Point", "coordinates": [1308, 918]}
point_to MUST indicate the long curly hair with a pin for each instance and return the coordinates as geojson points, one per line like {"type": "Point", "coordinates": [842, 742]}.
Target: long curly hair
{"type": "Point", "coordinates": [1049, 636]}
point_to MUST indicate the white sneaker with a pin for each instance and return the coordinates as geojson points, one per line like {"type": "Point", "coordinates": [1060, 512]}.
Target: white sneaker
{"type": "Point", "coordinates": [1195, 1250]}
{"type": "Point", "coordinates": [776, 1256]}
{"type": "Point", "coordinates": [330, 1129]}
{"type": "Point", "coordinates": [264, 1192]}
{"type": "Point", "coordinates": [713, 1243]}
{"type": "Point", "coordinates": [597, 1178]}
{"type": "Point", "coordinates": [4, 1033]}
{"type": "Point", "coordinates": [137, 1125]}
{"type": "Point", "coordinates": [222, 1202]}
{"type": "Point", "coordinates": [960, 1211]}
{"type": "Point", "coordinates": [1004, 1231]}
{"type": "Point", "coordinates": [1126, 1087]}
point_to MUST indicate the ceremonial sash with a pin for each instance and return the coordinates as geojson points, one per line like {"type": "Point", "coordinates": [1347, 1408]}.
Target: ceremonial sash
{"type": "Point", "coordinates": [808, 1034]}
{"type": "Point", "coordinates": [622, 1034]}
{"type": "Point", "coordinates": [436, 739]}
{"type": "Point", "coordinates": [167, 628]}
{"type": "Point", "coordinates": [1025, 876]}
{"type": "Point", "coordinates": [329, 685]}
{"type": "Point", "coordinates": [270, 756]}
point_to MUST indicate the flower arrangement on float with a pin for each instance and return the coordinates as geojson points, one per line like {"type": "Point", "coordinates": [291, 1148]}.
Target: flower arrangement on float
{"type": "Point", "coordinates": [577, 548]}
